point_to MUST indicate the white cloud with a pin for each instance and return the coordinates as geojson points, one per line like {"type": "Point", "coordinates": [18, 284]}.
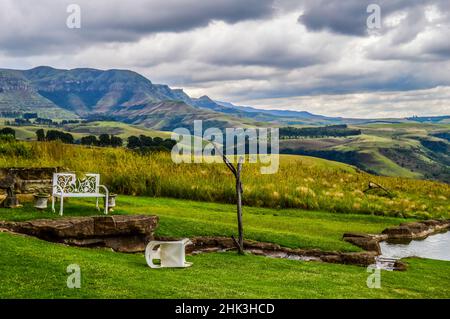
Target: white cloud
{"type": "Point", "coordinates": [262, 54]}
{"type": "Point", "coordinates": [430, 102]}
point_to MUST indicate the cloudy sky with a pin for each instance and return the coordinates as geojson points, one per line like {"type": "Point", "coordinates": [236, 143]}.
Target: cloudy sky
{"type": "Point", "coordinates": [313, 55]}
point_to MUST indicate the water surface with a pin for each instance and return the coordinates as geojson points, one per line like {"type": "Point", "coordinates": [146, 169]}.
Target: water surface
{"type": "Point", "coordinates": [433, 247]}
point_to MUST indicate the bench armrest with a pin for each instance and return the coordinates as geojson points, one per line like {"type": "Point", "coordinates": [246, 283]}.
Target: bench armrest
{"type": "Point", "coordinates": [105, 189]}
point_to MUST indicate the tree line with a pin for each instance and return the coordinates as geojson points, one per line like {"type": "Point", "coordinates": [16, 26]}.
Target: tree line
{"type": "Point", "coordinates": [24, 119]}
{"type": "Point", "coordinates": [141, 143]}
{"type": "Point", "coordinates": [146, 144]}
{"type": "Point", "coordinates": [322, 131]}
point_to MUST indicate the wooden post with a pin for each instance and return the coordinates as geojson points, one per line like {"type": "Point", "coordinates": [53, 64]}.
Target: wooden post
{"type": "Point", "coordinates": [239, 205]}
{"type": "Point", "coordinates": [239, 190]}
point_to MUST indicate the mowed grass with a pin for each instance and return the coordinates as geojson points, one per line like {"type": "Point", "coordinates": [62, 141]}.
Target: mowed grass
{"type": "Point", "coordinates": [300, 182]}
{"type": "Point", "coordinates": [293, 228]}
{"type": "Point", "coordinates": [31, 268]}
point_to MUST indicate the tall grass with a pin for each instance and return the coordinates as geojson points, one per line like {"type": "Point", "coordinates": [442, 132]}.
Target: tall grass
{"type": "Point", "coordinates": [301, 182]}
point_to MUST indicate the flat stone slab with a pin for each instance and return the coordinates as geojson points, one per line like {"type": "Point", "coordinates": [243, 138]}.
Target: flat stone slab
{"type": "Point", "coordinates": [124, 233]}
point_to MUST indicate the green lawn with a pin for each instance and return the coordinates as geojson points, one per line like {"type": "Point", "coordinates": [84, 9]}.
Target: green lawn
{"type": "Point", "coordinates": [31, 268]}
{"type": "Point", "coordinates": [183, 218]}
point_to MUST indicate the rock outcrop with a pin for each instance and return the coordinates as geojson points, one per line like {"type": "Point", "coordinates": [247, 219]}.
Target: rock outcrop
{"type": "Point", "coordinates": [416, 230]}
{"type": "Point", "coordinates": [124, 233]}
{"type": "Point", "coordinates": [365, 241]}
{"type": "Point", "coordinates": [405, 231]}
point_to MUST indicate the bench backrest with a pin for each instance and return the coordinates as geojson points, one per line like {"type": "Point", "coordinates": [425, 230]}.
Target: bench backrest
{"type": "Point", "coordinates": [69, 184]}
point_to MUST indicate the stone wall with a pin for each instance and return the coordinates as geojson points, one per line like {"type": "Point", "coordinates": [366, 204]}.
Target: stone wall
{"type": "Point", "coordinates": [31, 180]}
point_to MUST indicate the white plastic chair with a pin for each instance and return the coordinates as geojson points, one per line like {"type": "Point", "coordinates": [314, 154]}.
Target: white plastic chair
{"type": "Point", "coordinates": [170, 253]}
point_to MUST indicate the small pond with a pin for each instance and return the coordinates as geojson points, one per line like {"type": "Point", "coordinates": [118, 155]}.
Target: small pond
{"type": "Point", "coordinates": [433, 247]}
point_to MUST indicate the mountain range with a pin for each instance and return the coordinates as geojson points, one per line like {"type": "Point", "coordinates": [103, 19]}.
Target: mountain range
{"type": "Point", "coordinates": [409, 147]}
{"type": "Point", "coordinates": [127, 96]}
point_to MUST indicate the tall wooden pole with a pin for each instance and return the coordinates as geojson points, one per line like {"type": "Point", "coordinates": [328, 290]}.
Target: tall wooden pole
{"type": "Point", "coordinates": [239, 205]}
{"type": "Point", "coordinates": [237, 174]}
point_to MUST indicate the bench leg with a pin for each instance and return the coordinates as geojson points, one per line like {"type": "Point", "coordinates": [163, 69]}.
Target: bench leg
{"type": "Point", "coordinates": [96, 205]}
{"type": "Point", "coordinates": [53, 204]}
{"type": "Point", "coordinates": [106, 204]}
{"type": "Point", "coordinates": [61, 207]}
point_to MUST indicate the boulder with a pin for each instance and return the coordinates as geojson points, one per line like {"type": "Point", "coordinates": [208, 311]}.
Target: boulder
{"type": "Point", "coordinates": [414, 230]}
{"type": "Point", "coordinates": [416, 227]}
{"type": "Point", "coordinates": [398, 232]}
{"type": "Point", "coordinates": [364, 241]}
{"type": "Point", "coordinates": [335, 259]}
{"type": "Point", "coordinates": [368, 244]}
{"type": "Point", "coordinates": [261, 245]}
{"type": "Point", "coordinates": [360, 258]}
{"type": "Point", "coordinates": [400, 266]}
{"type": "Point", "coordinates": [125, 233]}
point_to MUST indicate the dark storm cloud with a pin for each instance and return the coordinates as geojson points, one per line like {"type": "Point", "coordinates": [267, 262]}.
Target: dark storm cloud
{"type": "Point", "coordinates": [269, 55]}
{"type": "Point", "coordinates": [171, 15]}
{"type": "Point", "coordinates": [349, 17]}
{"type": "Point", "coordinates": [335, 16]}
{"type": "Point", "coordinates": [243, 49]}
{"type": "Point", "coordinates": [39, 27]}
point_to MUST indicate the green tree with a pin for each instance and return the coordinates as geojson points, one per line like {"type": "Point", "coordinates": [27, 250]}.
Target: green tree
{"type": "Point", "coordinates": [116, 141]}
{"type": "Point", "coordinates": [104, 140]}
{"type": "Point", "coordinates": [8, 131]}
{"type": "Point", "coordinates": [40, 135]}
{"type": "Point", "coordinates": [89, 140]}
{"type": "Point", "coordinates": [133, 142]}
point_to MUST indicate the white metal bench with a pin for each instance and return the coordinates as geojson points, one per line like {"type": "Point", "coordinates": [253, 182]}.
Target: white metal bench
{"type": "Point", "coordinates": [67, 185]}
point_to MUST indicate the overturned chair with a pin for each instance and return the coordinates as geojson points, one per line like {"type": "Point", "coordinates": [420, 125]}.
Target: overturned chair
{"type": "Point", "coordinates": [170, 253]}
{"type": "Point", "coordinates": [66, 185]}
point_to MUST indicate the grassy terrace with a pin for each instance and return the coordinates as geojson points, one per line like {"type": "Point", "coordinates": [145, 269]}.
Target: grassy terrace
{"type": "Point", "coordinates": [32, 268]}
{"type": "Point", "coordinates": [36, 269]}
{"type": "Point", "coordinates": [309, 203]}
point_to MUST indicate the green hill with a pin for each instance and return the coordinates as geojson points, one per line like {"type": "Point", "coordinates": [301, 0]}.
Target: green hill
{"type": "Point", "coordinates": [411, 150]}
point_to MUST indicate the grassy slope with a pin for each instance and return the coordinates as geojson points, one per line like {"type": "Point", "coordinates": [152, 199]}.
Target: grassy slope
{"type": "Point", "coordinates": [37, 269]}
{"type": "Point", "coordinates": [180, 218]}
{"type": "Point", "coordinates": [301, 182]}
{"type": "Point", "coordinates": [116, 128]}
{"type": "Point", "coordinates": [92, 128]}
{"type": "Point", "coordinates": [396, 137]}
